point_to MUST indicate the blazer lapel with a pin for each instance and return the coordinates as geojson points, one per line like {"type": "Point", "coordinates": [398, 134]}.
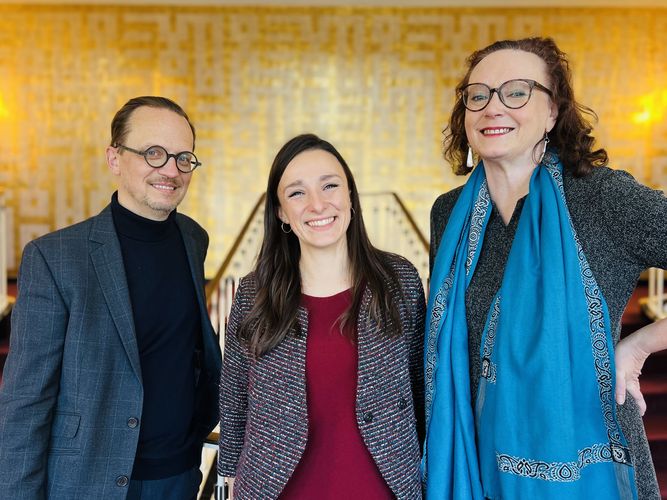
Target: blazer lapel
{"type": "Point", "coordinates": [108, 263]}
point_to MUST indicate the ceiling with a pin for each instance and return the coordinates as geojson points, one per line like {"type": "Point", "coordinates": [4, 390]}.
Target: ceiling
{"type": "Point", "coordinates": [370, 3]}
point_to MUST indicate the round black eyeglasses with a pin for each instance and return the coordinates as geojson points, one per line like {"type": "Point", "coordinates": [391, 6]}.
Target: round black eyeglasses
{"type": "Point", "coordinates": [514, 94]}
{"type": "Point", "coordinates": [157, 156]}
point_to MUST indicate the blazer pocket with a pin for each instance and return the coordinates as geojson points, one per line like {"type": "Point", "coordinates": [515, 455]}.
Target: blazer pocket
{"type": "Point", "coordinates": [64, 430]}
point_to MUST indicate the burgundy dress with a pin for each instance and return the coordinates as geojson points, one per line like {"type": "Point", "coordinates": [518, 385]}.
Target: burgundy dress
{"type": "Point", "coordinates": [336, 463]}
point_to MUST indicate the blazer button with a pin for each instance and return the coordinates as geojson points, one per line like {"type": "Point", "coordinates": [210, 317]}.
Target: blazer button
{"type": "Point", "coordinates": [368, 417]}
{"type": "Point", "coordinates": [402, 404]}
{"type": "Point", "coordinates": [132, 422]}
{"type": "Point", "coordinates": [122, 481]}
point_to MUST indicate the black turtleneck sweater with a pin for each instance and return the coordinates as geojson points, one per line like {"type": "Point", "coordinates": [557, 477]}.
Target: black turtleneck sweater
{"type": "Point", "coordinates": [167, 322]}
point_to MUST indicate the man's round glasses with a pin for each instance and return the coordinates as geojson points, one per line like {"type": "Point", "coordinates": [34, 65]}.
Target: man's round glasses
{"type": "Point", "coordinates": [514, 94]}
{"type": "Point", "coordinates": [157, 156]}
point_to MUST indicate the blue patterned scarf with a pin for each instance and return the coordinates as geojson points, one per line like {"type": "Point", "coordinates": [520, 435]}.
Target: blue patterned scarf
{"type": "Point", "coordinates": [544, 424]}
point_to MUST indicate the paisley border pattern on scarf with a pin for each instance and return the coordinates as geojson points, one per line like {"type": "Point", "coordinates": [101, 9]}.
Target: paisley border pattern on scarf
{"type": "Point", "coordinates": [477, 223]}
{"type": "Point", "coordinates": [438, 311]}
{"type": "Point", "coordinates": [488, 366]}
{"type": "Point", "coordinates": [555, 471]}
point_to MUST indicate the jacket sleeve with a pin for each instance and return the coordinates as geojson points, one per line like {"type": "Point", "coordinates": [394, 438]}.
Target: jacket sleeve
{"type": "Point", "coordinates": [233, 386]}
{"type": "Point", "coordinates": [634, 217]}
{"type": "Point", "coordinates": [416, 339]}
{"type": "Point", "coordinates": [31, 378]}
{"type": "Point", "coordinates": [440, 212]}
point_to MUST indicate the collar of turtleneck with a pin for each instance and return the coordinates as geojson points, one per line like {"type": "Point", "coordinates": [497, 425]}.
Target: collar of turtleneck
{"type": "Point", "coordinates": [136, 227]}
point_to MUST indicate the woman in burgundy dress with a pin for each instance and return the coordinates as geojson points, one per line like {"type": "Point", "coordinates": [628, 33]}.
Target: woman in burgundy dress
{"type": "Point", "coordinates": [321, 387]}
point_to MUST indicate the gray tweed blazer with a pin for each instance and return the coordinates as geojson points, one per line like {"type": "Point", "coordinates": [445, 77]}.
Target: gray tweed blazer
{"type": "Point", "coordinates": [264, 421]}
{"type": "Point", "coordinates": [72, 390]}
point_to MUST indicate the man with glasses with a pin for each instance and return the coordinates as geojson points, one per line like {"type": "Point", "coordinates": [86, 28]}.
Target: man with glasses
{"type": "Point", "coordinates": [111, 382]}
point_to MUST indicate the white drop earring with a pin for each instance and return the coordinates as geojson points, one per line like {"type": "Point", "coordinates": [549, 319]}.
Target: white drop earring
{"type": "Point", "coordinates": [544, 148]}
{"type": "Point", "coordinates": [470, 162]}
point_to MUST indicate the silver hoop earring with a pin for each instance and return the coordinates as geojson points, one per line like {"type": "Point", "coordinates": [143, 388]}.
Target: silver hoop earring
{"type": "Point", "coordinates": [352, 213]}
{"type": "Point", "coordinates": [470, 162]}
{"type": "Point", "coordinates": [282, 227]}
{"type": "Point", "coordinates": [544, 148]}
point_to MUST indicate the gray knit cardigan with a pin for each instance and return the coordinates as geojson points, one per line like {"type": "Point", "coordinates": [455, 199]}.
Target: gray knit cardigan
{"type": "Point", "coordinates": [263, 410]}
{"type": "Point", "coordinates": [622, 228]}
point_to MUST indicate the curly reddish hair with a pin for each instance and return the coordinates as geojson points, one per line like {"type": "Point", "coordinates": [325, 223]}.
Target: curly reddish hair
{"type": "Point", "coordinates": [571, 136]}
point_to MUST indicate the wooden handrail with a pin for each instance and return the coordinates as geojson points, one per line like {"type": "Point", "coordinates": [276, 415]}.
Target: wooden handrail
{"type": "Point", "coordinates": [212, 285]}
{"type": "Point", "coordinates": [412, 222]}
{"type": "Point", "coordinates": [212, 439]}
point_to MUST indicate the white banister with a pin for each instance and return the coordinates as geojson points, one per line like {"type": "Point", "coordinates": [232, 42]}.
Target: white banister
{"type": "Point", "coordinates": [654, 304]}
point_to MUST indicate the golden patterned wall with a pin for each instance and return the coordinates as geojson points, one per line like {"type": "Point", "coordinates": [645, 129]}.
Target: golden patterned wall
{"type": "Point", "coordinates": [377, 82]}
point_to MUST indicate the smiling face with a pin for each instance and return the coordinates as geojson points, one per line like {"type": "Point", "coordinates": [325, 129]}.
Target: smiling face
{"type": "Point", "coordinates": [151, 192]}
{"type": "Point", "coordinates": [315, 200]}
{"type": "Point", "coordinates": [505, 136]}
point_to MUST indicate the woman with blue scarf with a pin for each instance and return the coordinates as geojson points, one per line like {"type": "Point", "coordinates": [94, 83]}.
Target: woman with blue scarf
{"type": "Point", "coordinates": [533, 262]}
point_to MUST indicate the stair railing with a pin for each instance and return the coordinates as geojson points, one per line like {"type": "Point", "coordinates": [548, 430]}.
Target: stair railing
{"type": "Point", "coordinates": [238, 262]}
{"type": "Point", "coordinates": [391, 227]}
{"type": "Point", "coordinates": [654, 305]}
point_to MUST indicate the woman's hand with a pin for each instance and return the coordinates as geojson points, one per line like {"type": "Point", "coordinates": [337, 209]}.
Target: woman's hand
{"type": "Point", "coordinates": [630, 358]}
{"type": "Point", "coordinates": [630, 355]}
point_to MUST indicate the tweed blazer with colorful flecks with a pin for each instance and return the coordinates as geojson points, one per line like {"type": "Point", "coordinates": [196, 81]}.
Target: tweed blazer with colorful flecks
{"type": "Point", "coordinates": [264, 421]}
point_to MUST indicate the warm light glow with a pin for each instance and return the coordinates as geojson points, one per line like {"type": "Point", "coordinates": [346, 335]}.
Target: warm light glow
{"type": "Point", "coordinates": [4, 111]}
{"type": "Point", "coordinates": [379, 82]}
{"type": "Point", "coordinates": [652, 107]}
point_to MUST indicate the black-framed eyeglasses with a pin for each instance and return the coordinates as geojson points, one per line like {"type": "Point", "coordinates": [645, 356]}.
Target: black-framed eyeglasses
{"type": "Point", "coordinates": [157, 156]}
{"type": "Point", "coordinates": [514, 94]}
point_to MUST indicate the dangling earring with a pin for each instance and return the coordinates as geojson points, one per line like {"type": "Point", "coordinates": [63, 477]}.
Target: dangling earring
{"type": "Point", "coordinates": [351, 213]}
{"type": "Point", "coordinates": [470, 162]}
{"type": "Point", "coordinates": [289, 228]}
{"type": "Point", "coordinates": [544, 148]}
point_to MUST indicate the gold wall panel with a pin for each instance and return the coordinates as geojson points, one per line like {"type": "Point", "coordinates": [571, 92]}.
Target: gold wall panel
{"type": "Point", "coordinates": [377, 82]}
